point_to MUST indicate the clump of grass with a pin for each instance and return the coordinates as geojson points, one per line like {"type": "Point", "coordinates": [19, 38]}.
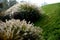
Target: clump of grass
{"type": "Point", "coordinates": [28, 12]}
{"type": "Point", "coordinates": [19, 30]}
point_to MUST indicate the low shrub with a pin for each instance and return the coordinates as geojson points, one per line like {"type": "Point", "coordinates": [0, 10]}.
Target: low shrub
{"type": "Point", "coordinates": [19, 30]}
{"type": "Point", "coordinates": [28, 12]}
{"type": "Point", "coordinates": [22, 11]}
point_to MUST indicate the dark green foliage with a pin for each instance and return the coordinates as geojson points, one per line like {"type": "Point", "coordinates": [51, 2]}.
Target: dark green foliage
{"type": "Point", "coordinates": [5, 17]}
{"type": "Point", "coordinates": [28, 12]}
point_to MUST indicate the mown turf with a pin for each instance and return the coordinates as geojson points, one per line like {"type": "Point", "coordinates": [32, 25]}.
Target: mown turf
{"type": "Point", "coordinates": [50, 21]}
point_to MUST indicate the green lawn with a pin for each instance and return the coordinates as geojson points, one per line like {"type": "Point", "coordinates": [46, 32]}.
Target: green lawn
{"type": "Point", "coordinates": [50, 21]}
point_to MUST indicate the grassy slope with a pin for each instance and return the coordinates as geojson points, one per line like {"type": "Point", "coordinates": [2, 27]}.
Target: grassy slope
{"type": "Point", "coordinates": [50, 21]}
